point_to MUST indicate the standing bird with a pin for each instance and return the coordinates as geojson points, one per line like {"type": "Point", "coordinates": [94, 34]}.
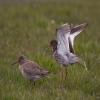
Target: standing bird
{"type": "Point", "coordinates": [31, 70]}
{"type": "Point", "coordinates": [63, 47]}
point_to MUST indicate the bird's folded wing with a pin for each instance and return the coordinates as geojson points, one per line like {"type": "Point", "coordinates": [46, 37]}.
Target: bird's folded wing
{"type": "Point", "coordinates": [32, 70]}
{"type": "Point", "coordinates": [62, 38]}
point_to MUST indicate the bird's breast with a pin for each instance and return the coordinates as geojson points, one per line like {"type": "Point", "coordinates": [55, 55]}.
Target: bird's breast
{"type": "Point", "coordinates": [21, 70]}
{"type": "Point", "coordinates": [61, 58]}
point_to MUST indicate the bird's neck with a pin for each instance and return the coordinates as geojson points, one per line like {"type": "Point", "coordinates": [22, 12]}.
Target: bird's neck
{"type": "Point", "coordinates": [23, 61]}
{"type": "Point", "coordinates": [54, 48]}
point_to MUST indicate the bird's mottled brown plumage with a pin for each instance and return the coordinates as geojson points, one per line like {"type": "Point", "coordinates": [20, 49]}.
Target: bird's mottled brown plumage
{"type": "Point", "coordinates": [31, 70]}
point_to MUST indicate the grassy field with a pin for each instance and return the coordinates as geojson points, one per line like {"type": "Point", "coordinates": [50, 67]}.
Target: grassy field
{"type": "Point", "coordinates": [27, 28]}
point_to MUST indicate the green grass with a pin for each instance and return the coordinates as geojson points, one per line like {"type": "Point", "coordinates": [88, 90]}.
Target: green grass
{"type": "Point", "coordinates": [27, 28]}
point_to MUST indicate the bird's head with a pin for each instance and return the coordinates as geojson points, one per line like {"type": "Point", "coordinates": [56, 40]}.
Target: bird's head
{"type": "Point", "coordinates": [53, 45]}
{"type": "Point", "coordinates": [20, 60]}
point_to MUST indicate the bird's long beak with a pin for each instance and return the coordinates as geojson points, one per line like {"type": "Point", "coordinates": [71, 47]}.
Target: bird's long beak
{"type": "Point", "coordinates": [14, 63]}
{"type": "Point", "coordinates": [83, 64]}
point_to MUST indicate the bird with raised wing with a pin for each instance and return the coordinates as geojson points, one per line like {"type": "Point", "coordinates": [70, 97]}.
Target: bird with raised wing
{"type": "Point", "coordinates": [31, 70]}
{"type": "Point", "coordinates": [63, 47]}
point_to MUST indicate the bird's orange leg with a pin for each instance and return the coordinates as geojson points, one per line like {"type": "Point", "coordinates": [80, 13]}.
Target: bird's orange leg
{"type": "Point", "coordinates": [62, 75]}
{"type": "Point", "coordinates": [64, 72]}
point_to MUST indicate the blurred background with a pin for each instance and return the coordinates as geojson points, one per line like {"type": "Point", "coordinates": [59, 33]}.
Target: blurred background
{"type": "Point", "coordinates": [27, 27]}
